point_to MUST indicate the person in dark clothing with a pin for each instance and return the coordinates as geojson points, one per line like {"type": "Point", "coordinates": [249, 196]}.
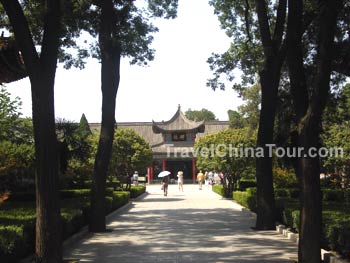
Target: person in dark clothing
{"type": "Point", "coordinates": [165, 182]}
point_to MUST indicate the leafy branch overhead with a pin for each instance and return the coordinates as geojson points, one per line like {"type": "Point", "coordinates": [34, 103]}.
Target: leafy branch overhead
{"type": "Point", "coordinates": [240, 21]}
{"type": "Point", "coordinates": [133, 30]}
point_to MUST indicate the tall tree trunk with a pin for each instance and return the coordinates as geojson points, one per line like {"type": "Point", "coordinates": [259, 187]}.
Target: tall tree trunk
{"type": "Point", "coordinates": [41, 71]}
{"type": "Point", "coordinates": [110, 75]}
{"type": "Point", "coordinates": [264, 177]}
{"type": "Point", "coordinates": [309, 133]}
{"type": "Point", "coordinates": [48, 220]}
{"type": "Point", "coordinates": [309, 115]}
{"type": "Point", "coordinates": [274, 53]}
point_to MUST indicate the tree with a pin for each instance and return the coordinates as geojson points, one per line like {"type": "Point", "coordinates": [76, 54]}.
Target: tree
{"type": "Point", "coordinates": [123, 31]}
{"type": "Point", "coordinates": [259, 46]}
{"type": "Point", "coordinates": [309, 102]}
{"type": "Point", "coordinates": [41, 68]}
{"type": "Point", "coordinates": [16, 149]}
{"type": "Point", "coordinates": [226, 151]}
{"type": "Point", "coordinates": [84, 128]}
{"type": "Point", "coordinates": [200, 115]}
{"type": "Point", "coordinates": [236, 119]}
{"type": "Point", "coordinates": [12, 127]}
{"type": "Point", "coordinates": [130, 152]}
{"type": "Point", "coordinates": [248, 113]}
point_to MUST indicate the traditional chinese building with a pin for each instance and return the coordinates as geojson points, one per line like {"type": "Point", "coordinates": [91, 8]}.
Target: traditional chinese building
{"type": "Point", "coordinates": [172, 143]}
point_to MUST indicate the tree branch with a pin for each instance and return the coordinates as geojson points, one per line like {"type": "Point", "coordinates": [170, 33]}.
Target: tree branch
{"type": "Point", "coordinates": [22, 34]}
{"type": "Point", "coordinates": [264, 26]}
{"type": "Point", "coordinates": [246, 18]}
{"type": "Point", "coordinates": [280, 21]}
{"type": "Point", "coordinates": [50, 44]}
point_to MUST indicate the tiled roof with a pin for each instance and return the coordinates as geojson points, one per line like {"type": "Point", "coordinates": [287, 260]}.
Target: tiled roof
{"type": "Point", "coordinates": [178, 122]}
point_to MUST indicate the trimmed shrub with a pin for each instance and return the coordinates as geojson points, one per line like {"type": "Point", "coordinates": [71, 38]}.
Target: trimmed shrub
{"type": "Point", "coordinates": [247, 198]}
{"type": "Point", "coordinates": [290, 193]}
{"type": "Point", "coordinates": [17, 220]}
{"type": "Point", "coordinates": [136, 191]}
{"type": "Point", "coordinates": [281, 193]}
{"type": "Point", "coordinates": [14, 243]}
{"type": "Point", "coordinates": [333, 195]}
{"type": "Point", "coordinates": [218, 188]}
{"type": "Point", "coordinates": [120, 199]}
{"type": "Point", "coordinates": [75, 193]}
{"type": "Point", "coordinates": [244, 184]}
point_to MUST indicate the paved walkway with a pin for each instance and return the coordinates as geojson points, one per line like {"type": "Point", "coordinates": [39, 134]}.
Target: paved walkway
{"type": "Point", "coordinates": [189, 226]}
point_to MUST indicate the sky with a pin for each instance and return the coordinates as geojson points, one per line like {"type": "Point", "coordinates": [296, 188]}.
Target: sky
{"type": "Point", "coordinates": [177, 76]}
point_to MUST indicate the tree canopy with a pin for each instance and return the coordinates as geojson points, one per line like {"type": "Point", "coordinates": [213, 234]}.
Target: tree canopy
{"type": "Point", "coordinates": [130, 153]}
{"type": "Point", "coordinates": [200, 115]}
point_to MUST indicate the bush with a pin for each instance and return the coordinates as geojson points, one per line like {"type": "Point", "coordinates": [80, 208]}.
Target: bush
{"type": "Point", "coordinates": [136, 191]}
{"type": "Point", "coordinates": [120, 199]}
{"type": "Point", "coordinates": [284, 178]}
{"type": "Point", "coordinates": [247, 198]}
{"type": "Point", "coordinates": [17, 220]}
{"type": "Point", "coordinates": [289, 193]}
{"type": "Point", "coordinates": [75, 193]}
{"type": "Point", "coordinates": [72, 221]}
{"type": "Point", "coordinates": [218, 189]}
{"type": "Point", "coordinates": [336, 231]}
{"type": "Point", "coordinates": [244, 184]}
{"type": "Point", "coordinates": [14, 243]}
{"type": "Point", "coordinates": [333, 195]}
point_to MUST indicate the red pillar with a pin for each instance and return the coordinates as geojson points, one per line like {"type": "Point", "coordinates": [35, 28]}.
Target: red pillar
{"type": "Point", "coordinates": [194, 170]}
{"type": "Point", "coordinates": [164, 165]}
{"type": "Point", "coordinates": [148, 175]}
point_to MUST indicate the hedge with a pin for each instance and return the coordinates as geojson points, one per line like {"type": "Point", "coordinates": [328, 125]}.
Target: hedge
{"type": "Point", "coordinates": [17, 220]}
{"type": "Point", "coordinates": [291, 193]}
{"type": "Point", "coordinates": [246, 198]}
{"type": "Point", "coordinates": [219, 189]}
{"type": "Point", "coordinates": [136, 191]}
{"type": "Point", "coordinates": [243, 184]}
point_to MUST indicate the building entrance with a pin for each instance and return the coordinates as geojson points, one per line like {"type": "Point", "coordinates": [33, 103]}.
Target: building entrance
{"type": "Point", "coordinates": [180, 165]}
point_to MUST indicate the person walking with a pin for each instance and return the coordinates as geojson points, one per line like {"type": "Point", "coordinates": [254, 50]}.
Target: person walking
{"type": "Point", "coordinates": [200, 178]}
{"type": "Point", "coordinates": [165, 183]}
{"type": "Point", "coordinates": [180, 180]}
{"type": "Point", "coordinates": [135, 178]}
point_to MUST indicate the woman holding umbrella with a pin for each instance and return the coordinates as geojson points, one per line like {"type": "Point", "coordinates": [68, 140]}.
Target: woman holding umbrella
{"type": "Point", "coordinates": [165, 182]}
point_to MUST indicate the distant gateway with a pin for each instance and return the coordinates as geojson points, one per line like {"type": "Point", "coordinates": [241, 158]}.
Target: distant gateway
{"type": "Point", "coordinates": [172, 143]}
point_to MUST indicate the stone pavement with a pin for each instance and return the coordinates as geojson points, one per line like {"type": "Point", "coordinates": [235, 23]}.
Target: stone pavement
{"type": "Point", "coordinates": [189, 226]}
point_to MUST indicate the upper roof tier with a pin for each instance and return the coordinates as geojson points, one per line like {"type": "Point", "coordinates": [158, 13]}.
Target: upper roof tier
{"type": "Point", "coordinates": [178, 122]}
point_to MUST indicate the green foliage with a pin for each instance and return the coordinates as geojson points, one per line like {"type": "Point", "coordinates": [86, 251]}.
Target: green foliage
{"type": "Point", "coordinates": [289, 193]}
{"type": "Point", "coordinates": [84, 128]}
{"type": "Point", "coordinates": [248, 114]}
{"type": "Point", "coordinates": [17, 168]}
{"type": "Point", "coordinates": [136, 191]}
{"type": "Point", "coordinates": [246, 198]}
{"type": "Point", "coordinates": [244, 184]}
{"type": "Point", "coordinates": [237, 121]}
{"type": "Point", "coordinates": [225, 152]}
{"type": "Point", "coordinates": [284, 178]}
{"type": "Point", "coordinates": [17, 220]}
{"type": "Point", "coordinates": [333, 195]}
{"type": "Point", "coordinates": [130, 152]}
{"type": "Point", "coordinates": [14, 244]}
{"type": "Point", "coordinates": [13, 128]}
{"type": "Point", "coordinates": [200, 115]}
{"type": "Point", "coordinates": [239, 21]}
{"type": "Point", "coordinates": [218, 189]}
{"type": "Point", "coordinates": [77, 148]}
